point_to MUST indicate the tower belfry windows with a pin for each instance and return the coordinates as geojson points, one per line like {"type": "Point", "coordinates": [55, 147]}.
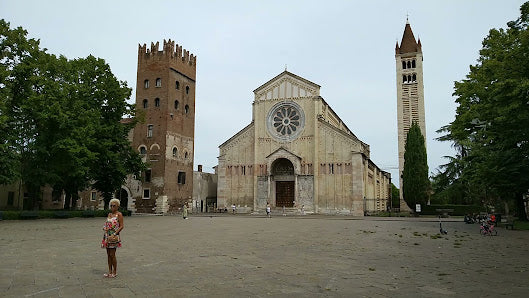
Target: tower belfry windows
{"type": "Point", "coordinates": [158, 82]}
{"type": "Point", "coordinates": [176, 104]}
{"type": "Point", "coordinates": [413, 63]}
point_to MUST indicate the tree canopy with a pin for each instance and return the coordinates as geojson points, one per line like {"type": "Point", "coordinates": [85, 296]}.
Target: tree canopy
{"type": "Point", "coordinates": [490, 131]}
{"type": "Point", "coordinates": [60, 120]}
{"type": "Point", "coordinates": [415, 182]}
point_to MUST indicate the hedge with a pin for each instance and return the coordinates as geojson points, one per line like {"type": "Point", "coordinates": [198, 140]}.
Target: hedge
{"type": "Point", "coordinates": [458, 209]}
{"type": "Point", "coordinates": [26, 214]}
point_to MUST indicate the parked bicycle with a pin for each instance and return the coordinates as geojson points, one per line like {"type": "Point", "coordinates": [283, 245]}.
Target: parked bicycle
{"type": "Point", "coordinates": [488, 229]}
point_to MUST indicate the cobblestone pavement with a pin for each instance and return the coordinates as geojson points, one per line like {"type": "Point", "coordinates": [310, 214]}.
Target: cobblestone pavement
{"type": "Point", "coordinates": [254, 256]}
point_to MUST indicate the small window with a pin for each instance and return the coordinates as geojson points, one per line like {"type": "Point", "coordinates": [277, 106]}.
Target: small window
{"type": "Point", "coordinates": [414, 78]}
{"type": "Point", "coordinates": [158, 82]}
{"type": "Point", "coordinates": [409, 78]}
{"type": "Point", "coordinates": [181, 177]}
{"type": "Point", "coordinates": [143, 150]}
{"type": "Point", "coordinates": [187, 89]}
{"type": "Point", "coordinates": [148, 174]}
{"type": "Point", "coordinates": [185, 155]}
{"type": "Point", "coordinates": [145, 103]}
{"type": "Point", "coordinates": [186, 109]}
{"type": "Point", "coordinates": [93, 196]}
{"type": "Point", "coordinates": [146, 84]}
{"type": "Point", "coordinates": [413, 63]}
{"type": "Point", "coordinates": [408, 64]}
{"type": "Point", "coordinates": [150, 127]}
{"type": "Point", "coordinates": [146, 193]}
{"type": "Point", "coordinates": [404, 79]}
{"type": "Point", "coordinates": [403, 64]}
{"type": "Point", "coordinates": [157, 102]}
{"type": "Point", "coordinates": [177, 85]}
{"type": "Point", "coordinates": [176, 104]}
{"type": "Point", "coordinates": [175, 152]}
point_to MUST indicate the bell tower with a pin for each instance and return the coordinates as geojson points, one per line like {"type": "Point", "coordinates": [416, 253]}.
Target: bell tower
{"type": "Point", "coordinates": [165, 97]}
{"type": "Point", "coordinates": [410, 93]}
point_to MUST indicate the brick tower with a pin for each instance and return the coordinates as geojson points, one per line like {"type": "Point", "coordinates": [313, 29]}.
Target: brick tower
{"type": "Point", "coordinates": [165, 95]}
{"type": "Point", "coordinates": [410, 93]}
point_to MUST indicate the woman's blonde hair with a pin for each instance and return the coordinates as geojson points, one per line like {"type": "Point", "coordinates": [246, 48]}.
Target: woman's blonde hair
{"type": "Point", "coordinates": [114, 201]}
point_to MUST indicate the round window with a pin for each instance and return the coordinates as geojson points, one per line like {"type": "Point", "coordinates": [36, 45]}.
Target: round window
{"type": "Point", "coordinates": [285, 121]}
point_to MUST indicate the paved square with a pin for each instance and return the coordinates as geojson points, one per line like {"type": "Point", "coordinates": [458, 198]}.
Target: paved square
{"type": "Point", "coordinates": [251, 256]}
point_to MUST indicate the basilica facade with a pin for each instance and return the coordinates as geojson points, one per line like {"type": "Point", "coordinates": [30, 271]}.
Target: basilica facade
{"type": "Point", "coordinates": [297, 153]}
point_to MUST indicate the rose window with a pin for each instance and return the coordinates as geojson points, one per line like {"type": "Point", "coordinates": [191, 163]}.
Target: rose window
{"type": "Point", "coordinates": [285, 121]}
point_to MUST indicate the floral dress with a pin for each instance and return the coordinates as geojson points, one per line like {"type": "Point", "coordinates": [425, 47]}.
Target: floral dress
{"type": "Point", "coordinates": [110, 228]}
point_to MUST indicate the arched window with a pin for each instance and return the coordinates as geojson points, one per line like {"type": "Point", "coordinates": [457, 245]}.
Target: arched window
{"type": "Point", "coordinates": [177, 85]}
{"type": "Point", "coordinates": [185, 155]}
{"type": "Point", "coordinates": [176, 104]}
{"type": "Point", "coordinates": [187, 89]}
{"type": "Point", "coordinates": [175, 152]}
{"type": "Point", "coordinates": [145, 103]}
{"type": "Point", "coordinates": [414, 78]}
{"type": "Point", "coordinates": [158, 82]}
{"type": "Point", "coordinates": [186, 109]}
{"type": "Point", "coordinates": [157, 102]}
{"type": "Point", "coordinates": [404, 80]}
{"type": "Point", "coordinates": [409, 64]}
{"type": "Point", "coordinates": [409, 78]}
{"type": "Point", "coordinates": [143, 150]}
{"type": "Point", "coordinates": [403, 64]}
{"type": "Point", "coordinates": [150, 128]}
{"type": "Point", "coordinates": [413, 63]}
{"type": "Point", "coordinates": [146, 84]}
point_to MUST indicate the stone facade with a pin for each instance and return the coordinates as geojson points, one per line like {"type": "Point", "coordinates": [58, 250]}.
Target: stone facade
{"type": "Point", "coordinates": [410, 93]}
{"type": "Point", "coordinates": [298, 152]}
{"type": "Point", "coordinates": [165, 94]}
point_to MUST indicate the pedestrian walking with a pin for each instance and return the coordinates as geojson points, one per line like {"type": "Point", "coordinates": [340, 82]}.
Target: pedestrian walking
{"type": "Point", "coordinates": [184, 212]}
{"type": "Point", "coordinates": [268, 211]}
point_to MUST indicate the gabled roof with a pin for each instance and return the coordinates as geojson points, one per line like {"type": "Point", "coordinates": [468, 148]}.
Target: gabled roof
{"type": "Point", "coordinates": [408, 43]}
{"type": "Point", "coordinates": [283, 149]}
{"type": "Point", "coordinates": [288, 74]}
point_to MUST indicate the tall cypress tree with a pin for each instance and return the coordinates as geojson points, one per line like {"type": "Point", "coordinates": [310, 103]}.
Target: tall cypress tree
{"type": "Point", "coordinates": [415, 182]}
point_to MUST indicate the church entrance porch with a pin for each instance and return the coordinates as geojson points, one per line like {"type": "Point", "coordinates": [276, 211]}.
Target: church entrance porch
{"type": "Point", "coordinates": [285, 193]}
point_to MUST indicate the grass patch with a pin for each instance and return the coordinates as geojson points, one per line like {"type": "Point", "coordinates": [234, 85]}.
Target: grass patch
{"type": "Point", "coordinates": [436, 236]}
{"type": "Point", "coordinates": [521, 225]}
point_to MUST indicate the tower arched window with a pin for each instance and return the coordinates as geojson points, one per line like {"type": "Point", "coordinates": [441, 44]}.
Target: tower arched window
{"type": "Point", "coordinates": [404, 79]}
{"type": "Point", "coordinates": [187, 89]}
{"type": "Point", "coordinates": [185, 155]}
{"type": "Point", "coordinates": [186, 109]}
{"type": "Point", "coordinates": [158, 82]}
{"type": "Point", "coordinates": [177, 85]}
{"type": "Point", "coordinates": [150, 128]}
{"type": "Point", "coordinates": [176, 104]}
{"type": "Point", "coordinates": [403, 64]}
{"type": "Point", "coordinates": [414, 78]}
{"type": "Point", "coordinates": [413, 63]}
{"type": "Point", "coordinates": [143, 150]}
{"type": "Point", "coordinates": [409, 78]}
{"type": "Point", "coordinates": [157, 102]}
{"type": "Point", "coordinates": [408, 64]}
{"type": "Point", "coordinates": [175, 152]}
{"type": "Point", "coordinates": [145, 103]}
{"type": "Point", "coordinates": [146, 84]}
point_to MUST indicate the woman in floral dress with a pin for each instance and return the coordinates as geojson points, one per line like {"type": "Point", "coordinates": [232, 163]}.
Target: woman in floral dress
{"type": "Point", "coordinates": [111, 241]}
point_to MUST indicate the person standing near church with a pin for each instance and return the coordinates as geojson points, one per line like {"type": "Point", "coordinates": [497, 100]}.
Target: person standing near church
{"type": "Point", "coordinates": [111, 240]}
{"type": "Point", "coordinates": [268, 210]}
{"type": "Point", "coordinates": [184, 212]}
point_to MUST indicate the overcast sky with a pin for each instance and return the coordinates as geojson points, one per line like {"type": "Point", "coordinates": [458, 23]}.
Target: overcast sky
{"type": "Point", "coordinates": [346, 47]}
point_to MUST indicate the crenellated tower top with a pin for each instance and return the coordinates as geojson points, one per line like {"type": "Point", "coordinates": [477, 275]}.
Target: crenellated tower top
{"type": "Point", "coordinates": [171, 52]}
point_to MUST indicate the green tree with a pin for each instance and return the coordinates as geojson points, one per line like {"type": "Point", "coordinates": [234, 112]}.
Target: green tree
{"type": "Point", "coordinates": [491, 119]}
{"type": "Point", "coordinates": [62, 121]}
{"type": "Point", "coordinates": [415, 182]}
{"type": "Point", "coordinates": [395, 196]}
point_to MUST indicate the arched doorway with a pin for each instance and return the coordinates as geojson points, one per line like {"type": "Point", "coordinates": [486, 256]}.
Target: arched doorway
{"type": "Point", "coordinates": [123, 196]}
{"type": "Point", "coordinates": [283, 173]}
